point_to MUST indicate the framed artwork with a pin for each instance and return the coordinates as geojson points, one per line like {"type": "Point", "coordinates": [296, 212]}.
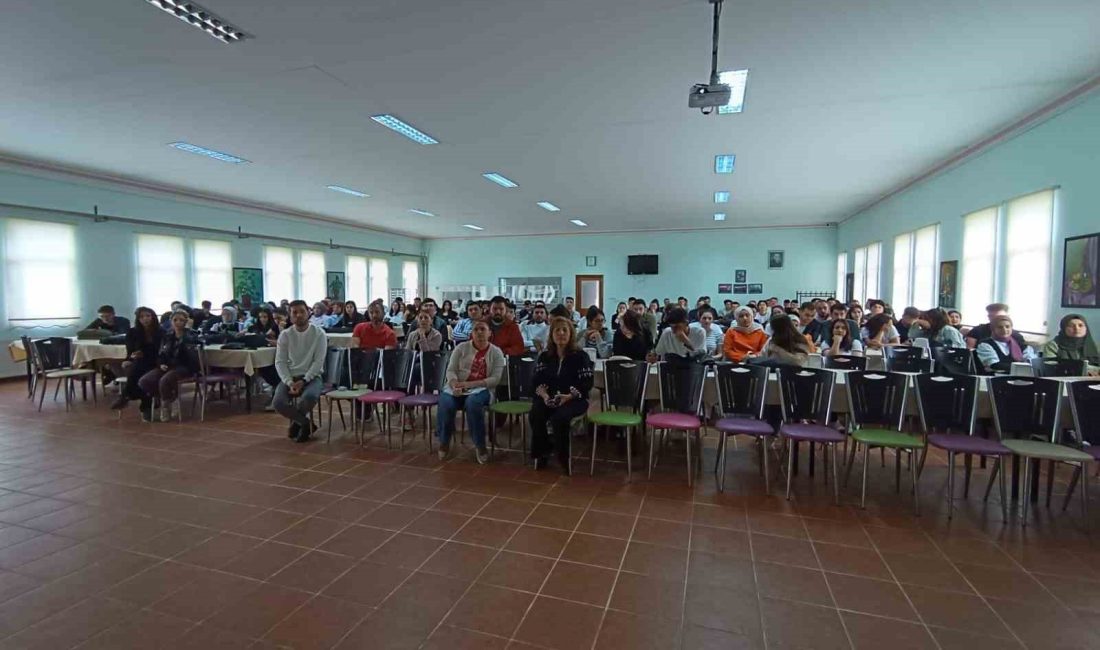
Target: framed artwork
{"type": "Point", "coordinates": [590, 260]}
{"type": "Point", "coordinates": [756, 288]}
{"type": "Point", "coordinates": [725, 288]}
{"type": "Point", "coordinates": [849, 287]}
{"type": "Point", "coordinates": [1081, 271]}
{"type": "Point", "coordinates": [775, 259]}
{"type": "Point", "coordinates": [741, 288]}
{"type": "Point", "coordinates": [334, 285]}
{"type": "Point", "coordinates": [740, 275]}
{"type": "Point", "coordinates": [248, 285]}
{"type": "Point", "coordinates": [949, 284]}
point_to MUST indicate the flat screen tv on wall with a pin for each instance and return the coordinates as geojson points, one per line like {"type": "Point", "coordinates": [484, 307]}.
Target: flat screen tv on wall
{"type": "Point", "coordinates": [641, 265]}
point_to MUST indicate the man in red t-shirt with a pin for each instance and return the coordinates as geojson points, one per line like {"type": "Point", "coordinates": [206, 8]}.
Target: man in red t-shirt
{"type": "Point", "coordinates": [506, 334]}
{"type": "Point", "coordinates": [374, 334]}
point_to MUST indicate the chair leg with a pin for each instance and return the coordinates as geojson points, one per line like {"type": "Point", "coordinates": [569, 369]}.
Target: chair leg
{"type": "Point", "coordinates": [863, 494]}
{"type": "Point", "coordinates": [764, 456]}
{"type": "Point", "coordinates": [993, 475]}
{"type": "Point", "coordinates": [951, 485]}
{"type": "Point", "coordinates": [690, 466]}
{"type": "Point", "coordinates": [1026, 488]}
{"type": "Point", "coordinates": [629, 453]}
{"type": "Point", "coordinates": [1002, 483]}
{"type": "Point", "coordinates": [649, 465]}
{"type": "Point", "coordinates": [851, 461]}
{"type": "Point", "coordinates": [595, 435]}
{"type": "Point", "coordinates": [1072, 486]}
{"type": "Point", "coordinates": [1050, 481]}
{"type": "Point", "coordinates": [329, 439]}
{"type": "Point", "coordinates": [790, 467]}
{"type": "Point", "coordinates": [882, 454]}
{"type": "Point", "coordinates": [897, 471]}
{"type": "Point", "coordinates": [836, 476]}
{"type": "Point", "coordinates": [914, 477]}
{"type": "Point", "coordinates": [1085, 495]}
{"type": "Point", "coordinates": [968, 464]}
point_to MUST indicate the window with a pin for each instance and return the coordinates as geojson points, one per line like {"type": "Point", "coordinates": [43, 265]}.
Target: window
{"type": "Point", "coordinates": [410, 277]}
{"type": "Point", "coordinates": [311, 276]}
{"type": "Point", "coordinates": [357, 281]}
{"type": "Point", "coordinates": [866, 271]}
{"type": "Point", "coordinates": [379, 280]}
{"type": "Point", "coordinates": [212, 270]}
{"type": "Point", "coordinates": [1027, 259]}
{"type": "Point", "coordinates": [915, 269]}
{"type": "Point", "coordinates": [161, 271]}
{"type": "Point", "coordinates": [978, 264]}
{"type": "Point", "coordinates": [841, 276]}
{"type": "Point", "coordinates": [279, 273]}
{"type": "Point", "coordinates": [40, 280]}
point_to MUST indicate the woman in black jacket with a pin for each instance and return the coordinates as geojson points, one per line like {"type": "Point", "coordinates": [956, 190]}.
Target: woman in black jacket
{"type": "Point", "coordinates": [563, 378]}
{"type": "Point", "coordinates": [173, 364]}
{"type": "Point", "coordinates": [631, 338]}
{"type": "Point", "coordinates": [142, 345]}
{"type": "Point", "coordinates": [264, 323]}
{"type": "Point", "coordinates": [351, 316]}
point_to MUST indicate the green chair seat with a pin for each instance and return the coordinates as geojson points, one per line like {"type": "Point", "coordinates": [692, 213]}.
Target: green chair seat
{"type": "Point", "coordinates": [515, 407]}
{"type": "Point", "coordinates": [1047, 451]}
{"type": "Point", "coordinates": [887, 438]}
{"type": "Point", "coordinates": [615, 418]}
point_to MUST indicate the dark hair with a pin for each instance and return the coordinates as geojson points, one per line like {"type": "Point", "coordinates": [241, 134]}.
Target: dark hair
{"type": "Point", "coordinates": [499, 300]}
{"type": "Point", "coordinates": [561, 311]}
{"type": "Point", "coordinates": [105, 309]}
{"type": "Point", "coordinates": [429, 301]}
{"type": "Point", "coordinates": [352, 303]}
{"type": "Point", "coordinates": [996, 306]}
{"type": "Point", "coordinates": [954, 311]}
{"type": "Point", "coordinates": [298, 303]}
{"type": "Point", "coordinates": [844, 344]}
{"type": "Point", "coordinates": [684, 298]}
{"type": "Point", "coordinates": [675, 316]}
{"type": "Point", "coordinates": [876, 323]}
{"type": "Point", "coordinates": [150, 331]}
{"type": "Point", "coordinates": [786, 337]}
{"type": "Point", "coordinates": [630, 319]}
{"type": "Point", "coordinates": [875, 301]}
{"type": "Point", "coordinates": [448, 305]}
{"type": "Point", "coordinates": [838, 306]}
{"type": "Point", "coordinates": [910, 312]}
{"type": "Point", "coordinates": [592, 312]}
{"type": "Point", "coordinates": [937, 320]}
{"type": "Point", "coordinates": [806, 305]}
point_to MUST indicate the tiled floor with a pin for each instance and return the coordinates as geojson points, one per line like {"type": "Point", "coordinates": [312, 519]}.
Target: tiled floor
{"type": "Point", "coordinates": [226, 535]}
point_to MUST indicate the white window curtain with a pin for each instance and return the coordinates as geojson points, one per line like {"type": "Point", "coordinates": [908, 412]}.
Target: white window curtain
{"type": "Point", "coordinates": [925, 260]}
{"type": "Point", "coordinates": [311, 276]}
{"type": "Point", "coordinates": [40, 272]}
{"type": "Point", "coordinates": [357, 284]}
{"type": "Point", "coordinates": [1027, 259]}
{"type": "Point", "coordinates": [903, 268]}
{"type": "Point", "coordinates": [841, 275]}
{"type": "Point", "coordinates": [212, 270]}
{"type": "Point", "coordinates": [279, 274]}
{"type": "Point", "coordinates": [978, 264]}
{"type": "Point", "coordinates": [874, 260]}
{"type": "Point", "coordinates": [410, 277]}
{"type": "Point", "coordinates": [379, 280]}
{"type": "Point", "coordinates": [860, 271]}
{"type": "Point", "coordinates": [161, 271]}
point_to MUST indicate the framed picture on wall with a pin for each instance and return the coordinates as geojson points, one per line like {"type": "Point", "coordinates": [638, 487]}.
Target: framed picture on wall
{"type": "Point", "coordinates": [1081, 271]}
{"type": "Point", "coordinates": [756, 288]}
{"type": "Point", "coordinates": [850, 287]}
{"type": "Point", "coordinates": [725, 288]}
{"type": "Point", "coordinates": [949, 284]}
{"type": "Point", "coordinates": [741, 288]}
{"type": "Point", "coordinates": [334, 285]}
{"type": "Point", "coordinates": [775, 259]}
{"type": "Point", "coordinates": [741, 275]}
{"type": "Point", "coordinates": [248, 284]}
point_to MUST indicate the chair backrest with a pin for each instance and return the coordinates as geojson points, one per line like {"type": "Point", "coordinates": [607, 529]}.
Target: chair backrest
{"type": "Point", "coordinates": [624, 383]}
{"type": "Point", "coordinates": [843, 362]}
{"type": "Point", "coordinates": [1047, 367]}
{"type": "Point", "coordinates": [947, 403]}
{"type": "Point", "coordinates": [742, 389]}
{"type": "Point", "coordinates": [904, 351]}
{"type": "Point", "coordinates": [395, 369]}
{"type": "Point", "coordinates": [196, 358]}
{"type": "Point", "coordinates": [681, 383]}
{"type": "Point", "coordinates": [521, 376]}
{"type": "Point", "coordinates": [433, 370]}
{"type": "Point", "coordinates": [907, 362]}
{"type": "Point", "coordinates": [877, 398]}
{"type": "Point", "coordinates": [337, 372]}
{"type": "Point", "coordinates": [1026, 407]}
{"type": "Point", "coordinates": [54, 353]}
{"type": "Point", "coordinates": [955, 361]}
{"type": "Point", "coordinates": [364, 367]}
{"type": "Point", "coordinates": [1084, 401]}
{"type": "Point", "coordinates": [33, 365]}
{"type": "Point", "coordinates": [806, 394]}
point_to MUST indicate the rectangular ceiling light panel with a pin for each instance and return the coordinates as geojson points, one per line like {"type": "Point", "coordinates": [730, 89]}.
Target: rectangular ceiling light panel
{"type": "Point", "coordinates": [423, 213]}
{"type": "Point", "coordinates": [722, 197]}
{"type": "Point", "coordinates": [578, 222]}
{"type": "Point", "coordinates": [499, 180]}
{"type": "Point", "coordinates": [201, 18]}
{"type": "Point", "coordinates": [209, 153]}
{"type": "Point", "coordinates": [472, 226]}
{"type": "Point", "coordinates": [723, 163]}
{"type": "Point", "coordinates": [348, 190]}
{"type": "Point", "coordinates": [719, 216]}
{"type": "Point", "coordinates": [405, 129]}
{"type": "Point", "coordinates": [546, 205]}
{"type": "Point", "coordinates": [736, 80]}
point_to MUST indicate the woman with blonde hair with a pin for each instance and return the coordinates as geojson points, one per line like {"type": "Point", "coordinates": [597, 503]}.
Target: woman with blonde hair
{"type": "Point", "coordinates": [563, 378]}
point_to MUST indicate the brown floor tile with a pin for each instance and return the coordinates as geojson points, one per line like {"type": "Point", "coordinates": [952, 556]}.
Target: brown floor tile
{"type": "Point", "coordinates": [567, 495]}
{"type": "Point", "coordinates": [868, 596]}
{"type": "Point", "coordinates": [723, 570]}
{"type": "Point", "coordinates": [955, 610]}
{"type": "Point", "coordinates": [667, 509]}
{"type": "Point", "coordinates": [74, 625]}
{"type": "Point", "coordinates": [926, 571]}
{"type": "Point", "coordinates": [406, 551]}
{"type": "Point", "coordinates": [427, 594]}
{"type": "Point", "coordinates": [517, 571]}
{"type": "Point", "coordinates": [420, 496]}
{"type": "Point", "coordinates": [348, 509]}
{"type": "Point", "coordinates": [723, 608]}
{"type": "Point", "coordinates": [793, 583]}
{"type": "Point", "coordinates": [546, 542]}
{"type": "Point", "coordinates": [852, 560]}
{"type": "Point", "coordinates": [783, 550]}
{"type": "Point", "coordinates": [143, 629]}
{"type": "Point", "coordinates": [720, 517]}
{"type": "Point", "coordinates": [872, 632]}
{"type": "Point", "coordinates": [506, 509]}
{"type": "Point", "coordinates": [798, 625]}
{"type": "Point", "coordinates": [662, 532]}
{"type": "Point", "coordinates": [581, 583]}
{"type": "Point", "coordinates": [1046, 625]}
{"type": "Point", "coordinates": [435, 523]}
{"type": "Point", "coordinates": [259, 611]}
{"type": "Point", "coordinates": [265, 560]}
{"type": "Point", "coordinates": [447, 637]}
{"type": "Point", "coordinates": [267, 524]}
{"type": "Point", "coordinates": [847, 533]}
{"type": "Point", "coordinates": [391, 516]}
{"type": "Point", "coordinates": [542, 625]}
{"type": "Point", "coordinates": [367, 583]}
{"type": "Point", "coordinates": [1080, 594]}
{"type": "Point", "coordinates": [310, 532]}
{"type": "Point", "coordinates": [155, 583]}
{"type": "Point", "coordinates": [959, 640]}
{"type": "Point", "coordinates": [779, 525]}
{"type": "Point", "coordinates": [1006, 582]}
{"type": "Point", "coordinates": [550, 516]}
{"type": "Point", "coordinates": [218, 551]}
{"type": "Point", "coordinates": [607, 524]}
{"type": "Point", "coordinates": [640, 594]}
{"type": "Point", "coordinates": [459, 560]}
{"type": "Point", "coordinates": [486, 532]}
{"type": "Point", "coordinates": [695, 637]}
{"type": "Point", "coordinates": [902, 541]}
{"type": "Point", "coordinates": [463, 503]}
{"type": "Point", "coordinates": [621, 630]}
{"type": "Point", "coordinates": [491, 610]}
{"type": "Point", "coordinates": [313, 572]}
{"type": "Point", "coordinates": [207, 594]}
{"type": "Point", "coordinates": [623, 504]}
{"type": "Point", "coordinates": [720, 540]}
{"type": "Point", "coordinates": [389, 629]}
{"type": "Point", "coordinates": [600, 551]}
{"type": "Point", "coordinates": [356, 541]}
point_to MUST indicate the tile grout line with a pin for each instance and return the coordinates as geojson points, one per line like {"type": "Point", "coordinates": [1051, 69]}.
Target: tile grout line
{"type": "Point", "coordinates": [618, 571]}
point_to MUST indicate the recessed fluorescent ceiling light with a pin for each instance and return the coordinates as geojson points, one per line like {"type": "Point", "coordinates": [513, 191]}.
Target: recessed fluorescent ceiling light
{"type": "Point", "coordinates": [736, 80]}
{"type": "Point", "coordinates": [410, 132]}
{"type": "Point", "coordinates": [723, 164]}
{"type": "Point", "coordinates": [209, 153]}
{"type": "Point", "coordinates": [348, 190]}
{"type": "Point", "coordinates": [719, 216]}
{"type": "Point", "coordinates": [721, 197]}
{"type": "Point", "coordinates": [546, 205]}
{"type": "Point", "coordinates": [196, 16]}
{"type": "Point", "coordinates": [577, 222]}
{"type": "Point", "coordinates": [472, 226]}
{"type": "Point", "coordinates": [423, 213]}
{"type": "Point", "coordinates": [499, 180]}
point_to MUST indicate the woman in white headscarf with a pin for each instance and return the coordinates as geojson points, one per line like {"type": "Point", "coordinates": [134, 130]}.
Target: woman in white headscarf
{"type": "Point", "coordinates": [745, 337]}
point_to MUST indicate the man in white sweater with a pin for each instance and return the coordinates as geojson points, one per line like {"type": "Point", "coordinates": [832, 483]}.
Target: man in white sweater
{"type": "Point", "coordinates": [299, 360]}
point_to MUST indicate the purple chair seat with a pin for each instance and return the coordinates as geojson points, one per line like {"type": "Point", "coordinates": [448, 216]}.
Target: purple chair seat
{"type": "Point", "coordinates": [221, 377]}
{"type": "Point", "coordinates": [745, 426]}
{"type": "Point", "coordinates": [673, 421]}
{"type": "Point", "coordinates": [811, 433]}
{"type": "Point", "coordinates": [1092, 450]}
{"type": "Point", "coordinates": [420, 399]}
{"type": "Point", "coordinates": [382, 397]}
{"type": "Point", "coordinates": [968, 444]}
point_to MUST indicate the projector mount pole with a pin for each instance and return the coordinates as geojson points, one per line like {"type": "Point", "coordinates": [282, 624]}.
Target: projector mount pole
{"type": "Point", "coordinates": [714, 42]}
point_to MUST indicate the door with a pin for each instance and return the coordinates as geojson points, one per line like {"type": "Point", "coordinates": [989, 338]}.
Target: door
{"type": "Point", "coordinates": [589, 292]}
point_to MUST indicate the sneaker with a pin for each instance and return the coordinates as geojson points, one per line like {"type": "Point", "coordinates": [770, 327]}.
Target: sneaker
{"type": "Point", "coordinates": [444, 452]}
{"type": "Point", "coordinates": [293, 430]}
{"type": "Point", "coordinates": [270, 408]}
{"type": "Point", "coordinates": [163, 414]}
{"type": "Point", "coordinates": [120, 403]}
{"type": "Point", "coordinates": [173, 409]}
{"type": "Point", "coordinates": [482, 455]}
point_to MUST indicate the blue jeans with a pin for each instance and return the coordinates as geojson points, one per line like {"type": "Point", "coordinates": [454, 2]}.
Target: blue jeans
{"type": "Point", "coordinates": [474, 405]}
{"type": "Point", "coordinates": [299, 410]}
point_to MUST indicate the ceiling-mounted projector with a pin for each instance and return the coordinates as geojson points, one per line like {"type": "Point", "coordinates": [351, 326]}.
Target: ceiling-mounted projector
{"type": "Point", "coordinates": [706, 97]}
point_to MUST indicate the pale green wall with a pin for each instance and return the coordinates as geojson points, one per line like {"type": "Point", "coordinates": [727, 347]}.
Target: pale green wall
{"type": "Point", "coordinates": [1063, 151]}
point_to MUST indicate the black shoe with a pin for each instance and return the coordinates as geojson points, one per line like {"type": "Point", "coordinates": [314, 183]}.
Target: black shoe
{"type": "Point", "coordinates": [120, 403]}
{"type": "Point", "coordinates": [293, 430]}
{"type": "Point", "coordinates": [540, 463]}
{"type": "Point", "coordinates": [146, 412]}
{"type": "Point", "coordinates": [305, 432]}
{"type": "Point", "coordinates": [563, 460]}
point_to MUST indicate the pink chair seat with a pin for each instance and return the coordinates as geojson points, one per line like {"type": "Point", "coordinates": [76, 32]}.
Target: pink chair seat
{"type": "Point", "coordinates": [745, 426]}
{"type": "Point", "coordinates": [382, 397]}
{"type": "Point", "coordinates": [673, 421]}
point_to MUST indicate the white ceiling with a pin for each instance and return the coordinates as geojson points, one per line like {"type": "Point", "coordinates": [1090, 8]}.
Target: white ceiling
{"type": "Point", "coordinates": [582, 102]}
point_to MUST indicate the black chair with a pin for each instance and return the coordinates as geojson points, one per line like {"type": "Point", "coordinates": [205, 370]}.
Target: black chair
{"type": "Point", "coordinates": [843, 362]}
{"type": "Point", "coordinates": [955, 361]}
{"type": "Point", "coordinates": [948, 412]}
{"type": "Point", "coordinates": [52, 359]}
{"type": "Point", "coordinates": [28, 359]}
{"type": "Point", "coordinates": [742, 392]}
{"type": "Point", "coordinates": [338, 385]}
{"type": "Point", "coordinates": [394, 375]}
{"type": "Point", "coordinates": [1084, 401]}
{"type": "Point", "coordinates": [876, 409]}
{"type": "Point", "coordinates": [623, 395]}
{"type": "Point", "coordinates": [520, 390]}
{"type": "Point", "coordinates": [906, 358]}
{"type": "Point", "coordinates": [681, 390]}
{"type": "Point", "coordinates": [1047, 367]}
{"type": "Point", "coordinates": [806, 401]}
{"type": "Point", "coordinates": [363, 367]}
{"type": "Point", "coordinates": [432, 369]}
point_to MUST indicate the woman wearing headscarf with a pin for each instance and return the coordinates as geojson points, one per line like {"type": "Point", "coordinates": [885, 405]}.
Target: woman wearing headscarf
{"type": "Point", "coordinates": [1073, 341]}
{"type": "Point", "coordinates": [998, 352]}
{"type": "Point", "coordinates": [745, 337]}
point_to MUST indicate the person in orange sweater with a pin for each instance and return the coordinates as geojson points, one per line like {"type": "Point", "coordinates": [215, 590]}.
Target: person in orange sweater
{"type": "Point", "coordinates": [506, 334]}
{"type": "Point", "coordinates": [744, 338]}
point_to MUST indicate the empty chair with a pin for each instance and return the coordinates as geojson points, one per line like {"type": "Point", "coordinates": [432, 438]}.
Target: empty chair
{"type": "Point", "coordinates": [806, 402]}
{"type": "Point", "coordinates": [681, 391]}
{"type": "Point", "coordinates": [363, 367]}
{"type": "Point", "coordinates": [948, 411]}
{"type": "Point", "coordinates": [1047, 367]}
{"type": "Point", "coordinates": [955, 361]}
{"type": "Point", "coordinates": [432, 368]}
{"type": "Point", "coordinates": [206, 379]}
{"type": "Point", "coordinates": [624, 390]}
{"type": "Point", "coordinates": [52, 359]}
{"type": "Point", "coordinates": [742, 390]}
{"type": "Point", "coordinates": [905, 358]}
{"type": "Point", "coordinates": [394, 374]}
{"type": "Point", "coordinates": [338, 385]}
{"type": "Point", "coordinates": [1084, 400]}
{"type": "Point", "coordinates": [843, 362]}
{"type": "Point", "coordinates": [520, 374]}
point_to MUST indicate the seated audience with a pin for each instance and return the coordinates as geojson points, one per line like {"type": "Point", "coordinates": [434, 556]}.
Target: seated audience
{"type": "Point", "coordinates": [172, 365]}
{"type": "Point", "coordinates": [166, 317]}
{"type": "Point", "coordinates": [620, 309]}
{"type": "Point", "coordinates": [505, 331]}
{"type": "Point", "coordinates": [438, 322]}
{"type": "Point", "coordinates": [570, 305]}
{"type": "Point", "coordinates": [1000, 350]}
{"type": "Point", "coordinates": [841, 340]}
{"type": "Point", "coordinates": [563, 378]}
{"type": "Point", "coordinates": [933, 325]}
{"type": "Point", "coordinates": [632, 339]}
{"type": "Point", "coordinates": [474, 371]}
{"type": "Point", "coordinates": [648, 319]}
{"type": "Point", "coordinates": [447, 313]}
{"type": "Point", "coordinates": [226, 323]}
{"type": "Point", "coordinates": [424, 338]}
{"type": "Point", "coordinates": [282, 318]}
{"type": "Point", "coordinates": [984, 331]}
{"type": "Point", "coordinates": [855, 313]}
{"type": "Point", "coordinates": [908, 316]}
{"type": "Point", "coordinates": [142, 347]}
{"type": "Point", "coordinates": [320, 317]}
{"type": "Point", "coordinates": [395, 317]}
{"type": "Point", "coordinates": [875, 307]}
{"type": "Point", "coordinates": [809, 326]}
{"type": "Point", "coordinates": [350, 316]}
{"type": "Point", "coordinates": [1073, 341]}
{"type": "Point", "coordinates": [299, 361]}
{"type": "Point", "coordinates": [678, 338]}
{"type": "Point", "coordinates": [264, 323]}
{"type": "Point", "coordinates": [787, 346]}
{"type": "Point", "coordinates": [745, 337]}
{"type": "Point", "coordinates": [763, 312]}
{"type": "Point", "coordinates": [203, 313]}
{"type": "Point", "coordinates": [595, 334]}
{"type": "Point", "coordinates": [654, 309]}
{"type": "Point", "coordinates": [408, 322]}
{"type": "Point", "coordinates": [536, 329]}
{"type": "Point", "coordinates": [955, 319]}
{"type": "Point", "coordinates": [700, 304]}
{"type": "Point", "coordinates": [374, 334]}
{"type": "Point", "coordinates": [839, 311]}
{"type": "Point", "coordinates": [462, 330]}
{"type": "Point", "coordinates": [712, 330]}
{"type": "Point", "coordinates": [108, 321]}
{"type": "Point", "coordinates": [879, 332]}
